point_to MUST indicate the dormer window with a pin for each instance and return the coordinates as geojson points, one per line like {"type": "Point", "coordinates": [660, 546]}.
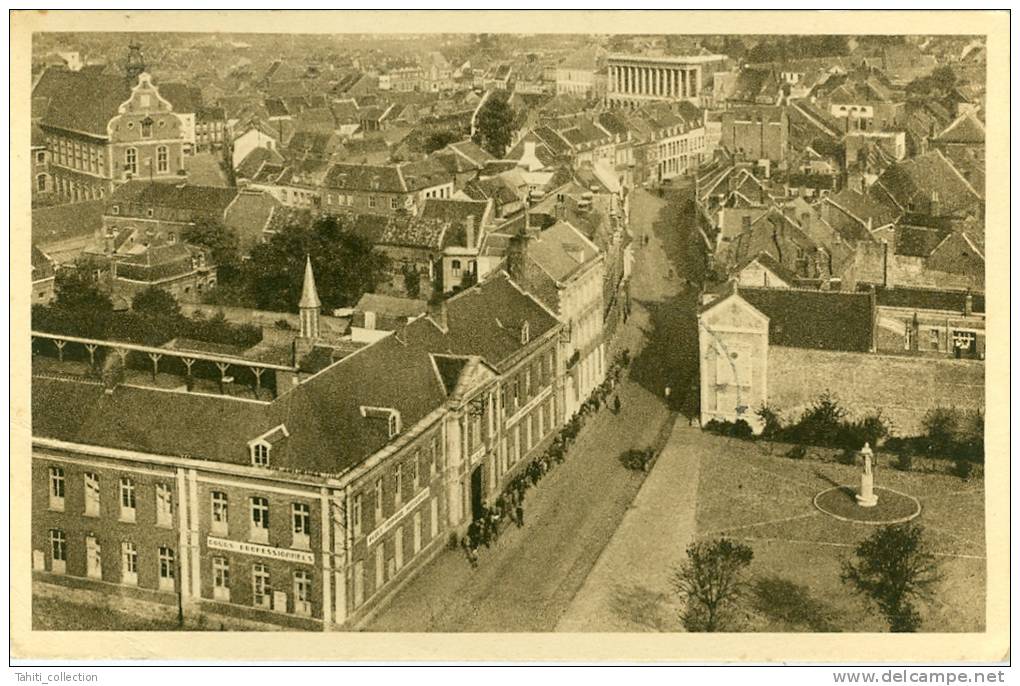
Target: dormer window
{"type": "Point", "coordinates": [393, 424]}
{"type": "Point", "coordinates": [149, 212]}
{"type": "Point", "coordinates": [260, 454]}
{"type": "Point", "coordinates": [115, 209]}
{"type": "Point", "coordinates": [525, 333]}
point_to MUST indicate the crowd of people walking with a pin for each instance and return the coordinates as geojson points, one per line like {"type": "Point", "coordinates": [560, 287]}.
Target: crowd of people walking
{"type": "Point", "coordinates": [508, 508]}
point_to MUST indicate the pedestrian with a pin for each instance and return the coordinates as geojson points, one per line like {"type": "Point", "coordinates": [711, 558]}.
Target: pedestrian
{"type": "Point", "coordinates": [494, 516]}
{"type": "Point", "coordinates": [519, 513]}
{"type": "Point", "coordinates": [616, 404]}
{"type": "Point", "coordinates": [667, 392]}
{"type": "Point", "coordinates": [473, 534]}
{"type": "Point", "coordinates": [469, 552]}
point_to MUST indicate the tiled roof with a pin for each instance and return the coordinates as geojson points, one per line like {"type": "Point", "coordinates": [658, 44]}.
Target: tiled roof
{"type": "Point", "coordinates": [825, 320]}
{"type": "Point", "coordinates": [134, 198]}
{"type": "Point", "coordinates": [915, 180]}
{"type": "Point", "coordinates": [965, 129]}
{"type": "Point", "coordinates": [365, 177]}
{"type": "Point", "coordinates": [561, 250]}
{"type": "Point", "coordinates": [456, 213]}
{"type": "Point", "coordinates": [918, 241]}
{"type": "Point", "coordinates": [84, 102]}
{"type": "Point", "coordinates": [145, 419]}
{"type": "Point", "coordinates": [928, 299]}
{"type": "Point", "coordinates": [390, 305]}
{"type": "Point", "coordinates": [60, 222]}
{"type": "Point", "coordinates": [185, 99]}
{"type": "Point", "coordinates": [415, 232]}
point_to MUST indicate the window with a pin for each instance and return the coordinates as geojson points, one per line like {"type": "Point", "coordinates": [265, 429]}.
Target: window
{"type": "Point", "coordinates": [302, 593]}
{"type": "Point", "coordinates": [40, 183]}
{"type": "Point", "coordinates": [91, 494]}
{"type": "Point", "coordinates": [398, 545]}
{"type": "Point", "coordinates": [221, 579]}
{"type": "Point", "coordinates": [356, 514]}
{"type": "Point", "coordinates": [359, 583]}
{"type": "Point", "coordinates": [398, 485]}
{"type": "Point", "coordinates": [116, 209]}
{"type": "Point", "coordinates": [261, 591]}
{"type": "Point", "coordinates": [393, 424]}
{"type": "Point", "coordinates": [371, 201]}
{"type": "Point", "coordinates": [934, 339]}
{"type": "Point", "coordinates": [58, 551]}
{"type": "Point", "coordinates": [128, 563]}
{"type": "Point", "coordinates": [57, 488]}
{"type": "Point", "coordinates": [93, 558]}
{"type": "Point", "coordinates": [260, 455]}
{"type": "Point", "coordinates": [164, 506]}
{"type": "Point", "coordinates": [394, 203]}
{"type": "Point", "coordinates": [147, 127]}
{"type": "Point", "coordinates": [455, 266]}
{"type": "Point", "coordinates": [416, 532]}
{"type": "Point", "coordinates": [162, 159]}
{"type": "Point", "coordinates": [40, 157]}
{"type": "Point", "coordinates": [415, 471]}
{"type": "Point", "coordinates": [220, 525]}
{"type": "Point", "coordinates": [378, 502]}
{"type": "Point", "coordinates": [259, 531]}
{"type": "Point", "coordinates": [130, 161]}
{"type": "Point", "coordinates": [302, 518]}
{"type": "Point", "coordinates": [380, 565]}
{"type": "Point", "coordinates": [166, 568]}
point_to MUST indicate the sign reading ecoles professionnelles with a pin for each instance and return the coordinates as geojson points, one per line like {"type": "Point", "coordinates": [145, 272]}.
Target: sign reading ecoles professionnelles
{"type": "Point", "coordinates": [269, 551]}
{"type": "Point", "coordinates": [397, 516]}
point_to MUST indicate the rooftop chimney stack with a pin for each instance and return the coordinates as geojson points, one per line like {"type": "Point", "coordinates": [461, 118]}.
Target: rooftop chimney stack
{"type": "Point", "coordinates": [469, 231]}
{"type": "Point", "coordinates": [968, 304]}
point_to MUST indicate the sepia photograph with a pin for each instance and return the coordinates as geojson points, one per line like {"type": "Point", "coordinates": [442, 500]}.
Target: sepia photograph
{"type": "Point", "coordinates": [533, 330]}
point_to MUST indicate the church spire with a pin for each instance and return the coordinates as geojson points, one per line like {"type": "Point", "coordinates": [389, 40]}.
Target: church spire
{"type": "Point", "coordinates": [309, 304]}
{"type": "Point", "coordinates": [135, 64]}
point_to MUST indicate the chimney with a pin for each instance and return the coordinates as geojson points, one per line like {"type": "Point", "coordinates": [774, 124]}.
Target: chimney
{"type": "Point", "coordinates": [887, 271]}
{"type": "Point", "coordinates": [517, 257]}
{"type": "Point", "coordinates": [438, 312]}
{"type": "Point", "coordinates": [469, 231]}
{"type": "Point", "coordinates": [968, 304]}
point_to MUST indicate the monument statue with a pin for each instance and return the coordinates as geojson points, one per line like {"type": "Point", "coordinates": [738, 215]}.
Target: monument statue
{"type": "Point", "coordinates": [866, 496]}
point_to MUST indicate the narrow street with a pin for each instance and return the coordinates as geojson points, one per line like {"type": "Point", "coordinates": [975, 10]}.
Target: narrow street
{"type": "Point", "coordinates": [528, 578]}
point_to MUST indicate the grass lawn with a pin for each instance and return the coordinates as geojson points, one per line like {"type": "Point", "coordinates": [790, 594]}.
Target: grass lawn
{"type": "Point", "coordinates": [766, 501]}
{"type": "Point", "coordinates": [54, 614]}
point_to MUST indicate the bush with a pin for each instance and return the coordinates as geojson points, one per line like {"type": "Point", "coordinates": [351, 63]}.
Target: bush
{"type": "Point", "coordinates": [949, 432]}
{"type": "Point", "coordinates": [963, 469]}
{"type": "Point", "coordinates": [637, 459]}
{"type": "Point", "coordinates": [821, 424]}
{"type": "Point", "coordinates": [771, 420]}
{"type": "Point", "coordinates": [797, 452]}
{"type": "Point", "coordinates": [847, 457]}
{"type": "Point", "coordinates": [904, 462]}
{"type": "Point", "coordinates": [738, 429]}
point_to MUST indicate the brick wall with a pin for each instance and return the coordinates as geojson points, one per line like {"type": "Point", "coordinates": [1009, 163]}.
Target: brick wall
{"type": "Point", "coordinates": [903, 387]}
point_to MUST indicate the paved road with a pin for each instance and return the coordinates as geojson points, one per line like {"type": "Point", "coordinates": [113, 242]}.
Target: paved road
{"type": "Point", "coordinates": [528, 578]}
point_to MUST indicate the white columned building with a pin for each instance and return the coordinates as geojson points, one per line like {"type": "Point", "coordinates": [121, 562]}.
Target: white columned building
{"type": "Point", "coordinates": [636, 79]}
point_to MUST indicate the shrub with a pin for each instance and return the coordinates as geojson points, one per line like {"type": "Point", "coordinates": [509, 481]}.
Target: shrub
{"type": "Point", "coordinates": [904, 462]}
{"type": "Point", "coordinates": [637, 459]}
{"type": "Point", "coordinates": [821, 424]}
{"type": "Point", "coordinates": [797, 452]}
{"type": "Point", "coordinates": [771, 421]}
{"type": "Point", "coordinates": [847, 456]}
{"type": "Point", "coordinates": [282, 324]}
{"type": "Point", "coordinates": [963, 469]}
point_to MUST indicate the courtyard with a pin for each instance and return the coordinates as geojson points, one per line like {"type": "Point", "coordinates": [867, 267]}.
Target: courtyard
{"type": "Point", "coordinates": [765, 500]}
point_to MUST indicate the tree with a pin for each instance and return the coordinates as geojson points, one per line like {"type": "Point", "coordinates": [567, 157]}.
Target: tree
{"type": "Point", "coordinates": [894, 567]}
{"type": "Point", "coordinates": [439, 139]}
{"type": "Point", "coordinates": [156, 302]}
{"type": "Point", "coordinates": [495, 124]}
{"type": "Point", "coordinates": [80, 307]}
{"type": "Point", "coordinates": [221, 241]}
{"type": "Point", "coordinates": [346, 266]}
{"type": "Point", "coordinates": [711, 583]}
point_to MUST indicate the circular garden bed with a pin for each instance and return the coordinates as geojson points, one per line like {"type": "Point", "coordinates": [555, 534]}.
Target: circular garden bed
{"type": "Point", "coordinates": [893, 507]}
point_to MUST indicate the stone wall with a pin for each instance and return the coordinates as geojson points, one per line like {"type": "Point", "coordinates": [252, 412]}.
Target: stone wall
{"type": "Point", "coordinates": [903, 387]}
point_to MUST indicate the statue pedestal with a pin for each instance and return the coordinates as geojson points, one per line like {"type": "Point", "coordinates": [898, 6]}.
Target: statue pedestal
{"type": "Point", "coordinates": [866, 497]}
